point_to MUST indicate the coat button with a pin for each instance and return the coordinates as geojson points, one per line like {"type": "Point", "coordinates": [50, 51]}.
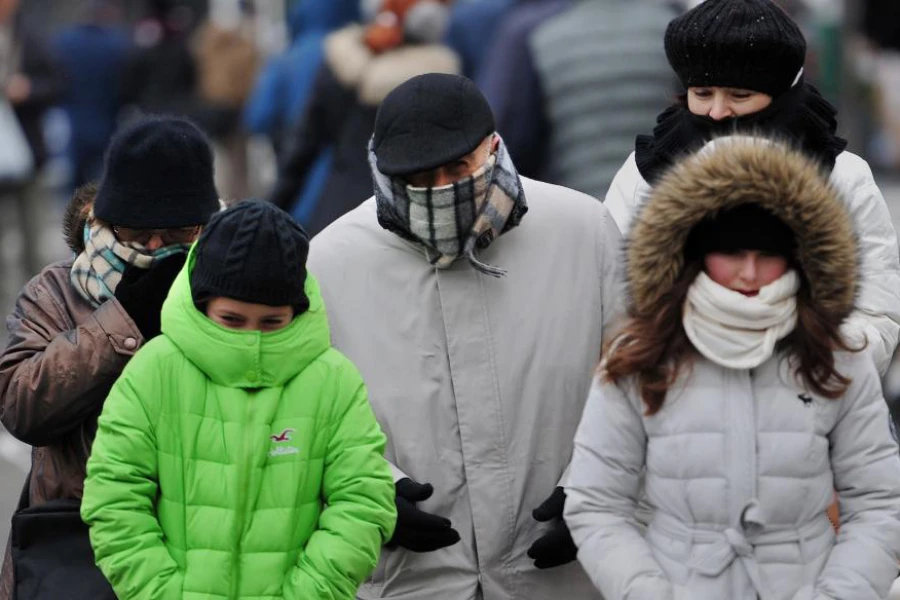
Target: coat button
{"type": "Point", "coordinates": [251, 340]}
{"type": "Point", "coordinates": [130, 343]}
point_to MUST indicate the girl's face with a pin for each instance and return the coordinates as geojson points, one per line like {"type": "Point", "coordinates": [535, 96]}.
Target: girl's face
{"type": "Point", "coordinates": [245, 316]}
{"type": "Point", "coordinates": [719, 103]}
{"type": "Point", "coordinates": [745, 271]}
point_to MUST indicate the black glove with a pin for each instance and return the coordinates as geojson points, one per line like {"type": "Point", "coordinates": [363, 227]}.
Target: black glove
{"type": "Point", "coordinates": [416, 530]}
{"type": "Point", "coordinates": [555, 547]}
{"type": "Point", "coordinates": [141, 292]}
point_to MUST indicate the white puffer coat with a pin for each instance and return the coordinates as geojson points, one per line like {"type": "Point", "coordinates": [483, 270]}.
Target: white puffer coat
{"type": "Point", "coordinates": [740, 465]}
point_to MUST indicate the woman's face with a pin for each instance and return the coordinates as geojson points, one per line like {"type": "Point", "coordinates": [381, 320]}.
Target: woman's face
{"type": "Point", "coordinates": [719, 103]}
{"type": "Point", "coordinates": [745, 271]}
{"type": "Point", "coordinates": [245, 316]}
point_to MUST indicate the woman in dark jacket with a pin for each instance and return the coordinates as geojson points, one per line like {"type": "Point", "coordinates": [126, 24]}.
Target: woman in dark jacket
{"type": "Point", "coordinates": [77, 323]}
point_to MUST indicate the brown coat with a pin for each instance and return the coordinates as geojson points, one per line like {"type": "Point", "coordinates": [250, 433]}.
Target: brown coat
{"type": "Point", "coordinates": [62, 358]}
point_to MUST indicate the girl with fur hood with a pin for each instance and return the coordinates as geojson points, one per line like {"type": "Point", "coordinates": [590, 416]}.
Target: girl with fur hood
{"type": "Point", "coordinates": [741, 65]}
{"type": "Point", "coordinates": [732, 391]}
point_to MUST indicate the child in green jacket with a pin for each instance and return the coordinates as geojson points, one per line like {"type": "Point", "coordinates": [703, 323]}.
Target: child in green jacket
{"type": "Point", "coordinates": [237, 456]}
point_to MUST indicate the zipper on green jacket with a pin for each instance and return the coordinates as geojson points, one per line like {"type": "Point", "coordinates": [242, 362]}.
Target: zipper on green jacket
{"type": "Point", "coordinates": [240, 519]}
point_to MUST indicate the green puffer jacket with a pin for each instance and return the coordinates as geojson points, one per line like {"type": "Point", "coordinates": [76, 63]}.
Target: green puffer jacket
{"type": "Point", "coordinates": [233, 464]}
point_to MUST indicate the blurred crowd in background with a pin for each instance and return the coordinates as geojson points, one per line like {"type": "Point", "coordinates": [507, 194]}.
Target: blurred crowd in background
{"type": "Point", "coordinates": [288, 89]}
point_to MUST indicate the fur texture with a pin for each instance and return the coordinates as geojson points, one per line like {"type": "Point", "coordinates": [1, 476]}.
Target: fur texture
{"type": "Point", "coordinates": [734, 171]}
{"type": "Point", "coordinates": [77, 212]}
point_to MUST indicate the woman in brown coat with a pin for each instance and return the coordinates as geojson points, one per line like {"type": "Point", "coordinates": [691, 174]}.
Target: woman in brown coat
{"type": "Point", "coordinates": [77, 323]}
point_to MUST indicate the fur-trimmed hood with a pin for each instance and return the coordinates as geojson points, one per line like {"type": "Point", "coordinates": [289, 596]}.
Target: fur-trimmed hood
{"type": "Point", "coordinates": [77, 212]}
{"type": "Point", "coordinates": [729, 172]}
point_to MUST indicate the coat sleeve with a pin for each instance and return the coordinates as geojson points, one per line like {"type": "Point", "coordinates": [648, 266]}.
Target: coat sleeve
{"type": "Point", "coordinates": [622, 197]}
{"type": "Point", "coordinates": [265, 105]}
{"type": "Point", "coordinates": [863, 563]}
{"type": "Point", "coordinates": [122, 485]}
{"type": "Point", "coordinates": [612, 277]}
{"type": "Point", "coordinates": [602, 494]}
{"type": "Point", "coordinates": [360, 512]}
{"type": "Point", "coordinates": [877, 314]}
{"type": "Point", "coordinates": [55, 374]}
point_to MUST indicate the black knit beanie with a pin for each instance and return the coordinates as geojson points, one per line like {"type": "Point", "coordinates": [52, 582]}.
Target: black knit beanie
{"type": "Point", "coordinates": [253, 252]}
{"type": "Point", "coordinates": [744, 227]}
{"type": "Point", "coordinates": [158, 175]}
{"type": "Point", "coordinates": [747, 44]}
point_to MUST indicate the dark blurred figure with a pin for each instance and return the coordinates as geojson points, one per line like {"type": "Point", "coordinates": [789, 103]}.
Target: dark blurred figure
{"type": "Point", "coordinates": [881, 25]}
{"type": "Point", "coordinates": [881, 22]}
{"type": "Point", "coordinates": [286, 82]}
{"type": "Point", "coordinates": [362, 65]}
{"type": "Point", "coordinates": [161, 76]}
{"type": "Point", "coordinates": [284, 85]}
{"type": "Point", "coordinates": [471, 31]}
{"type": "Point", "coordinates": [31, 83]}
{"type": "Point", "coordinates": [92, 55]}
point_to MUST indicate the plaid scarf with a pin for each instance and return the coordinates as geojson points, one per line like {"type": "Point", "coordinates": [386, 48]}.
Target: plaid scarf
{"type": "Point", "coordinates": [98, 269]}
{"type": "Point", "coordinates": [453, 220]}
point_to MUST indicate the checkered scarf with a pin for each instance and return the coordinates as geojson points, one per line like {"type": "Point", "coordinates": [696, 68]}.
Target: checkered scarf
{"type": "Point", "coordinates": [98, 269]}
{"type": "Point", "coordinates": [453, 220]}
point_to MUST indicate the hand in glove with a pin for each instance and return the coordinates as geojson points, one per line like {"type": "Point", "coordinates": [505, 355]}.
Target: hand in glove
{"type": "Point", "coordinates": [417, 530]}
{"type": "Point", "coordinates": [555, 547]}
{"type": "Point", "coordinates": [141, 292]}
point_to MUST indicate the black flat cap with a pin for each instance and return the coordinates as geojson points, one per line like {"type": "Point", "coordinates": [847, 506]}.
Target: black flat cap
{"type": "Point", "coordinates": [429, 121]}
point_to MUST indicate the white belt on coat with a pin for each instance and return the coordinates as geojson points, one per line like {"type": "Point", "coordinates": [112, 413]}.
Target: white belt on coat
{"type": "Point", "coordinates": [733, 543]}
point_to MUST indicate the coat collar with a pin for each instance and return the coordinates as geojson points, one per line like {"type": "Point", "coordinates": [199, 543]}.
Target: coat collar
{"type": "Point", "coordinates": [244, 359]}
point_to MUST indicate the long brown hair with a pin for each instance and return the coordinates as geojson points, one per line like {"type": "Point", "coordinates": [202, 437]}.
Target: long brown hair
{"type": "Point", "coordinates": [654, 347]}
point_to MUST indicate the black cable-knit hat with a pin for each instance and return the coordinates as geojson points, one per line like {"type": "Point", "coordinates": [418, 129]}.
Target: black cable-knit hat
{"type": "Point", "coordinates": [158, 174]}
{"type": "Point", "coordinates": [747, 44]}
{"type": "Point", "coordinates": [253, 252]}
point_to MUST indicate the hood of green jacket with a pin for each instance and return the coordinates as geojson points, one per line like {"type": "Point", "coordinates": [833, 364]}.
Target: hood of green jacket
{"type": "Point", "coordinates": [244, 359]}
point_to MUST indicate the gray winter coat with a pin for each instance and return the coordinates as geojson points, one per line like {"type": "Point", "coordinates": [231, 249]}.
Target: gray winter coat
{"type": "Point", "coordinates": [740, 465]}
{"type": "Point", "coordinates": [478, 382]}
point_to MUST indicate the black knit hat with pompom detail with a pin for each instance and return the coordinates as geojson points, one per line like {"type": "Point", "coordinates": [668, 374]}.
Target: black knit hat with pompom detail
{"type": "Point", "coordinates": [253, 252]}
{"type": "Point", "coordinates": [746, 44]}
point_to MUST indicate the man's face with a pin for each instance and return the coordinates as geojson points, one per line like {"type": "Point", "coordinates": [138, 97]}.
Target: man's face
{"type": "Point", "coordinates": [8, 9]}
{"type": "Point", "coordinates": [458, 169]}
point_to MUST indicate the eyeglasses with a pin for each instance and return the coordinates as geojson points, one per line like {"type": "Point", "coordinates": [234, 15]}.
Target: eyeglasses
{"type": "Point", "coordinates": [184, 235]}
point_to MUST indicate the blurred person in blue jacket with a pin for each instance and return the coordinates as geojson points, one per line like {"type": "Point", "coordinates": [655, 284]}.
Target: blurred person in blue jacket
{"type": "Point", "coordinates": [92, 55]}
{"type": "Point", "coordinates": [362, 64]}
{"type": "Point", "coordinates": [283, 87]}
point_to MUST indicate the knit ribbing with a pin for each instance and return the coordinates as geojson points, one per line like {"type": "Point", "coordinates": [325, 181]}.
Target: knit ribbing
{"type": "Point", "coordinates": [746, 44]}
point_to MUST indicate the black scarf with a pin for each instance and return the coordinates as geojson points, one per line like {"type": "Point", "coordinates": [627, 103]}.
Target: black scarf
{"type": "Point", "coordinates": [801, 117]}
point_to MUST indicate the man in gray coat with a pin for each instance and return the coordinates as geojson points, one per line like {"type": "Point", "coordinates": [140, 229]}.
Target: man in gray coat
{"type": "Point", "coordinates": [474, 302]}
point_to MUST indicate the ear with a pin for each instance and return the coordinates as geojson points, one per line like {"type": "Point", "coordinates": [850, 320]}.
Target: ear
{"type": "Point", "coordinates": [495, 142]}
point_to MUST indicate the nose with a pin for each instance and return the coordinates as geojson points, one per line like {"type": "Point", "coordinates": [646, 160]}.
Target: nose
{"type": "Point", "coordinates": [442, 178]}
{"type": "Point", "coordinates": [155, 243]}
{"type": "Point", "coordinates": [749, 269]}
{"type": "Point", "coordinates": [720, 109]}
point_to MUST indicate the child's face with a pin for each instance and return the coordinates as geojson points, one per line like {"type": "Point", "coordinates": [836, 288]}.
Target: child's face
{"type": "Point", "coordinates": [244, 316]}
